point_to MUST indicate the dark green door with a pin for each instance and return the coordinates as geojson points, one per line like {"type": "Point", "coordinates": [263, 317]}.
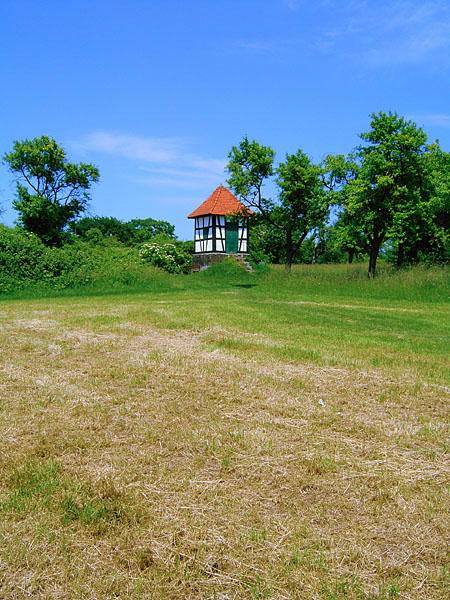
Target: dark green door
{"type": "Point", "coordinates": [231, 240]}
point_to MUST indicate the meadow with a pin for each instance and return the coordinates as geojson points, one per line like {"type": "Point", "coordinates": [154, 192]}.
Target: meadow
{"type": "Point", "coordinates": [227, 435]}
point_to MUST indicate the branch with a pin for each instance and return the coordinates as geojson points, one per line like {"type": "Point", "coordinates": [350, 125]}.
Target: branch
{"type": "Point", "coordinates": [25, 176]}
{"type": "Point", "coordinates": [300, 242]}
{"type": "Point", "coordinates": [70, 195]}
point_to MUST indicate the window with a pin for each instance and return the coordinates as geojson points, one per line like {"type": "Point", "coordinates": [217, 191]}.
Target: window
{"type": "Point", "coordinates": [220, 233]}
{"type": "Point", "coordinates": [203, 234]}
{"type": "Point", "coordinates": [243, 236]}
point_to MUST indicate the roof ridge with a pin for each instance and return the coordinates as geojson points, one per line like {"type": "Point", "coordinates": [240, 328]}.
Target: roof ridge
{"type": "Point", "coordinates": [222, 201]}
{"type": "Point", "coordinates": [219, 191]}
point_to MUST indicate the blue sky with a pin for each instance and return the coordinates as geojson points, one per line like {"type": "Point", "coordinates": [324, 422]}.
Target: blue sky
{"type": "Point", "coordinates": [155, 93]}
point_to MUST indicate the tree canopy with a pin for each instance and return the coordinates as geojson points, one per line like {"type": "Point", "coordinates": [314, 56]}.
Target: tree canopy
{"type": "Point", "coordinates": [50, 191]}
{"type": "Point", "coordinates": [301, 203]}
{"type": "Point", "coordinates": [385, 185]}
{"type": "Point", "coordinates": [250, 165]}
{"type": "Point", "coordinates": [136, 231]}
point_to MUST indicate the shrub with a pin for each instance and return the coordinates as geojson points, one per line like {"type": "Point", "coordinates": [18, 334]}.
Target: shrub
{"type": "Point", "coordinates": [169, 256]}
{"type": "Point", "coordinates": [20, 258]}
{"type": "Point", "coordinates": [26, 263]}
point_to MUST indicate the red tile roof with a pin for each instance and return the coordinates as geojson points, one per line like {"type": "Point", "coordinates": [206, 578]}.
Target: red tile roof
{"type": "Point", "coordinates": [221, 202]}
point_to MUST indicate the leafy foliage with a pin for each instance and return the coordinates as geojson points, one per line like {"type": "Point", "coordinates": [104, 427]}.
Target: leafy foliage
{"type": "Point", "coordinates": [136, 231]}
{"type": "Point", "coordinates": [385, 185]}
{"type": "Point", "coordinates": [51, 192]}
{"type": "Point", "coordinates": [166, 255]}
{"type": "Point", "coordinates": [250, 165]}
{"type": "Point", "coordinates": [26, 263]}
{"type": "Point", "coordinates": [429, 238]}
{"type": "Point", "coordinates": [301, 206]}
{"type": "Point", "coordinates": [267, 243]}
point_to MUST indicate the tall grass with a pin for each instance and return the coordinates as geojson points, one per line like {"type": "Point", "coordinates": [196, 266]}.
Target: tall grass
{"type": "Point", "coordinates": [120, 275]}
{"type": "Point", "coordinates": [418, 283]}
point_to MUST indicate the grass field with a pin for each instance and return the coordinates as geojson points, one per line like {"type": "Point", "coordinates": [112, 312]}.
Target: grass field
{"type": "Point", "coordinates": [228, 436]}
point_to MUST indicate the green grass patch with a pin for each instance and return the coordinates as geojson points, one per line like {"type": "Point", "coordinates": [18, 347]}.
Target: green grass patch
{"type": "Point", "coordinates": [43, 486]}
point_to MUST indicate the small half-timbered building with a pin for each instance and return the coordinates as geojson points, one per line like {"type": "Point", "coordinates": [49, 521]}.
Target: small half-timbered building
{"type": "Point", "coordinates": [220, 227]}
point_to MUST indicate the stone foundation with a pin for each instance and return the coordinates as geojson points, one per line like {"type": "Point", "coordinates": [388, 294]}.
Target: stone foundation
{"type": "Point", "coordinates": [206, 260]}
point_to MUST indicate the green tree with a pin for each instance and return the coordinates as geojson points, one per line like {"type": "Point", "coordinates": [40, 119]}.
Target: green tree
{"type": "Point", "coordinates": [301, 205]}
{"type": "Point", "coordinates": [323, 248]}
{"type": "Point", "coordinates": [384, 182]}
{"type": "Point", "coordinates": [250, 166]}
{"type": "Point", "coordinates": [349, 237]}
{"type": "Point", "coordinates": [425, 235]}
{"type": "Point", "coordinates": [440, 203]}
{"type": "Point", "coordinates": [267, 243]}
{"type": "Point", "coordinates": [144, 230]}
{"type": "Point", "coordinates": [129, 233]}
{"type": "Point", "coordinates": [347, 234]}
{"type": "Point", "coordinates": [51, 192]}
{"type": "Point", "coordinates": [107, 227]}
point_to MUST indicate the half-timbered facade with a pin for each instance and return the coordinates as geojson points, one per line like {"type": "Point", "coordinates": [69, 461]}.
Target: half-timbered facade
{"type": "Point", "coordinates": [220, 227]}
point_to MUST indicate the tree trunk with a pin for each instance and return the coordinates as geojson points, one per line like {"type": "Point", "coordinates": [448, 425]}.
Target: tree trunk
{"type": "Point", "coordinates": [351, 254]}
{"type": "Point", "coordinates": [292, 249]}
{"type": "Point", "coordinates": [412, 255]}
{"type": "Point", "coordinates": [289, 253]}
{"type": "Point", "coordinates": [374, 250]}
{"type": "Point", "coordinates": [277, 257]}
{"type": "Point", "coordinates": [400, 255]}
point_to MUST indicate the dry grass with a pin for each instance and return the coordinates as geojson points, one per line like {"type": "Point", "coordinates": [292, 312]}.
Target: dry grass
{"type": "Point", "coordinates": [142, 462]}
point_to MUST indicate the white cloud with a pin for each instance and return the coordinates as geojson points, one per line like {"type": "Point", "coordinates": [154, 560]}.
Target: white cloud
{"type": "Point", "coordinates": [133, 147]}
{"type": "Point", "coordinates": [373, 34]}
{"type": "Point", "coordinates": [167, 160]}
{"type": "Point", "coordinates": [175, 181]}
{"type": "Point", "coordinates": [391, 33]}
{"type": "Point", "coordinates": [181, 173]}
{"type": "Point", "coordinates": [213, 165]}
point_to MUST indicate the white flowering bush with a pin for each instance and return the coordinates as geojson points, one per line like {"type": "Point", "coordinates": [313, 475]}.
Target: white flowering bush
{"type": "Point", "coordinates": [167, 256]}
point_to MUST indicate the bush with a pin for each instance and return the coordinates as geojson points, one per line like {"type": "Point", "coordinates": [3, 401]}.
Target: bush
{"type": "Point", "coordinates": [169, 256]}
{"type": "Point", "coordinates": [20, 258]}
{"type": "Point", "coordinates": [26, 263]}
